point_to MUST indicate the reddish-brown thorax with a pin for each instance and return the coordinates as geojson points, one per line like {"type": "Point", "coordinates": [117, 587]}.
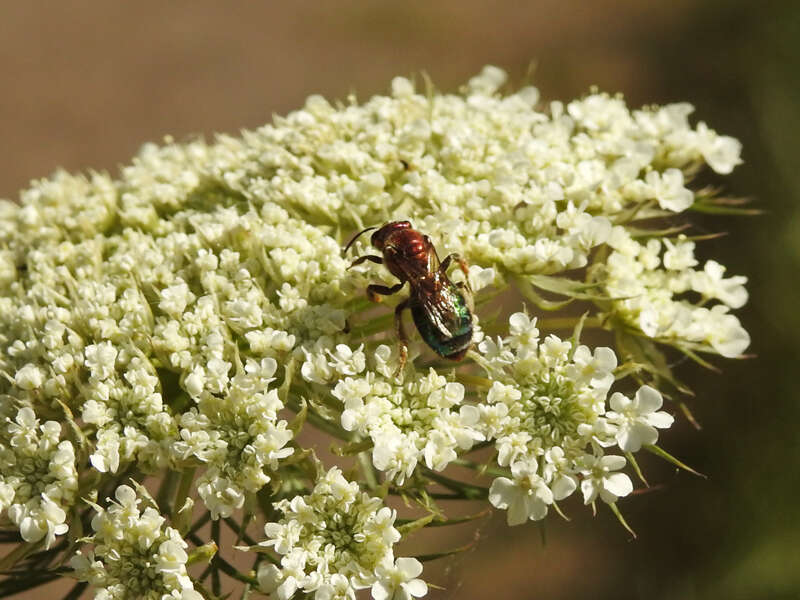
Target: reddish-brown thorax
{"type": "Point", "coordinates": [397, 241]}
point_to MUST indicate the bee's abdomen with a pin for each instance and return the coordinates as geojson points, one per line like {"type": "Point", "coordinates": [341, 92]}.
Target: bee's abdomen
{"type": "Point", "coordinates": [454, 346]}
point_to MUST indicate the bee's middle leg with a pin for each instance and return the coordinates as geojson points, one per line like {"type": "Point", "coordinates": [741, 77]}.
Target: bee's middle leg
{"type": "Point", "coordinates": [374, 292]}
{"type": "Point", "coordinates": [367, 257]}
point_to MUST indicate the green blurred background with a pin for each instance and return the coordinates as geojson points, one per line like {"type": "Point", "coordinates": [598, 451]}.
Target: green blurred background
{"type": "Point", "coordinates": [84, 84]}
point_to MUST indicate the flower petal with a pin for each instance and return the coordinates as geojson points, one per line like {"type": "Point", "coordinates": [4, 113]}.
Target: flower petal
{"type": "Point", "coordinates": [409, 567]}
{"type": "Point", "coordinates": [648, 399]}
{"type": "Point", "coordinates": [619, 484]}
{"type": "Point", "coordinates": [660, 419]}
{"type": "Point", "coordinates": [502, 492]}
{"type": "Point", "coordinates": [517, 511]}
{"type": "Point", "coordinates": [417, 588]}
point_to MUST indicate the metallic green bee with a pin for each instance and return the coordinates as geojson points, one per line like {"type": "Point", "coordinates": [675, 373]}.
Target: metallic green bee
{"type": "Point", "coordinates": [442, 310]}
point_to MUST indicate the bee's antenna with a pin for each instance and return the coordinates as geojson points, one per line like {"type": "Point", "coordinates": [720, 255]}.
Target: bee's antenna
{"type": "Point", "coordinates": [355, 237]}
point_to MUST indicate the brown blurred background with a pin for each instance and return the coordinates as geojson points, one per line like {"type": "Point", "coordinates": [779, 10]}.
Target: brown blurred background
{"type": "Point", "coordinates": [84, 84]}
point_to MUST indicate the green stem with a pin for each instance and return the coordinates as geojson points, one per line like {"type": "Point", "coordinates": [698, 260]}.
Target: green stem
{"type": "Point", "coordinates": [283, 391]}
{"type": "Point", "coordinates": [437, 555]}
{"type": "Point", "coordinates": [15, 585]}
{"type": "Point", "coordinates": [569, 323]}
{"type": "Point", "coordinates": [486, 297]}
{"type": "Point", "coordinates": [320, 422]}
{"type": "Point", "coordinates": [354, 447]}
{"type": "Point", "coordinates": [482, 468]}
{"type": "Point", "coordinates": [232, 572]}
{"type": "Point", "coordinates": [474, 380]}
{"type": "Point", "coordinates": [216, 584]}
{"type": "Point", "coordinates": [166, 490]}
{"type": "Point", "coordinates": [357, 305]}
{"type": "Point", "coordinates": [239, 531]}
{"type": "Point", "coordinates": [467, 490]}
{"type": "Point", "coordinates": [256, 563]}
{"type": "Point", "coordinates": [371, 327]}
{"type": "Point", "coordinates": [444, 522]}
{"type": "Point", "coordinates": [365, 462]}
{"type": "Point", "coordinates": [204, 518]}
{"type": "Point", "coordinates": [77, 591]}
{"type": "Point", "coordinates": [220, 564]}
{"type": "Point", "coordinates": [184, 486]}
{"type": "Point", "coordinates": [481, 446]}
{"type": "Point", "coordinates": [17, 554]}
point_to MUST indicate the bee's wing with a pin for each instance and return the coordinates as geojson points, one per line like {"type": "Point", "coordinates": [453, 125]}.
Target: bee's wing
{"type": "Point", "coordinates": [441, 308]}
{"type": "Point", "coordinates": [438, 298]}
{"type": "Point", "coordinates": [412, 270]}
{"type": "Point", "coordinates": [433, 256]}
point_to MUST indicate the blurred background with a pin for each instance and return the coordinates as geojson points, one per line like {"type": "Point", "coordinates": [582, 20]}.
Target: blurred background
{"type": "Point", "coordinates": [84, 84]}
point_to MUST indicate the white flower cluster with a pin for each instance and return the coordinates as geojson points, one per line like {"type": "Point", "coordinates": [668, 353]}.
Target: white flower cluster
{"type": "Point", "coordinates": [546, 411]}
{"type": "Point", "coordinates": [199, 249]}
{"type": "Point", "coordinates": [419, 420]}
{"type": "Point", "coordinates": [125, 405]}
{"type": "Point", "coordinates": [38, 475]}
{"type": "Point", "coordinates": [237, 435]}
{"type": "Point", "coordinates": [135, 556]}
{"type": "Point", "coordinates": [649, 283]}
{"type": "Point", "coordinates": [334, 541]}
{"type": "Point", "coordinates": [167, 307]}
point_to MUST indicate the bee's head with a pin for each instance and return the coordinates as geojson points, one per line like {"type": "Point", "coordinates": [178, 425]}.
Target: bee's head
{"type": "Point", "coordinates": [378, 238]}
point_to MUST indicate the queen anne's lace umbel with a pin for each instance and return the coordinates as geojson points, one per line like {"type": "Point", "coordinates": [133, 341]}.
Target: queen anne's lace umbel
{"type": "Point", "coordinates": [196, 312]}
{"type": "Point", "coordinates": [135, 556]}
{"type": "Point", "coordinates": [335, 541]}
{"type": "Point", "coordinates": [421, 420]}
{"type": "Point", "coordinates": [38, 475]}
{"type": "Point", "coordinates": [547, 412]}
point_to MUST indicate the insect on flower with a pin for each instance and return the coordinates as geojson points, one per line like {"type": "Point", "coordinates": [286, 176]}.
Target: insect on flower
{"type": "Point", "coordinates": [442, 310]}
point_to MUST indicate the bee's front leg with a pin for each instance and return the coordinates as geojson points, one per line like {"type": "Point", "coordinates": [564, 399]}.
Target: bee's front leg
{"type": "Point", "coordinates": [402, 337]}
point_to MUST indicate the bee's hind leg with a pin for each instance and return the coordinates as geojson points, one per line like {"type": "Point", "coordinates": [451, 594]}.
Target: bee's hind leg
{"type": "Point", "coordinates": [462, 264]}
{"type": "Point", "coordinates": [402, 337]}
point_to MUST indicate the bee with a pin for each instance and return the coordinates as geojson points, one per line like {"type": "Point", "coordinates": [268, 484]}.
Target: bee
{"type": "Point", "coordinates": [442, 310]}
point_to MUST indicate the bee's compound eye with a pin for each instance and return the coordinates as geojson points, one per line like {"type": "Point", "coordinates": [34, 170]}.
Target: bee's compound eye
{"type": "Point", "coordinates": [378, 238]}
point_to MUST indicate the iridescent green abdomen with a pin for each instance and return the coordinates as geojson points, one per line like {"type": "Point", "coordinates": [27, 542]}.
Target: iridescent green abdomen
{"type": "Point", "coordinates": [445, 325]}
